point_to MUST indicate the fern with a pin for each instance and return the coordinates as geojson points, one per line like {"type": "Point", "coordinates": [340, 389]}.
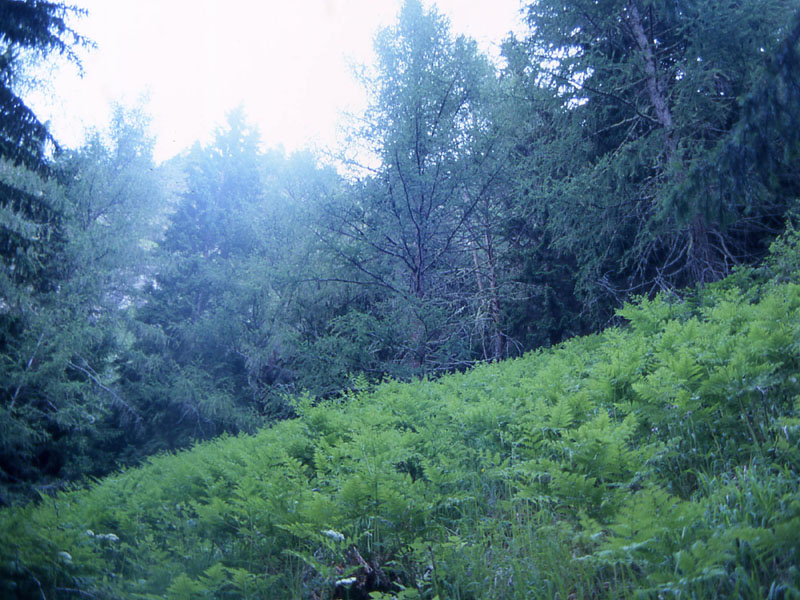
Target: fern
{"type": "Point", "coordinates": [659, 459]}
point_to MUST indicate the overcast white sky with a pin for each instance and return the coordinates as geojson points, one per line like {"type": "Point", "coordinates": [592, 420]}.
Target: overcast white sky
{"type": "Point", "coordinates": [287, 61]}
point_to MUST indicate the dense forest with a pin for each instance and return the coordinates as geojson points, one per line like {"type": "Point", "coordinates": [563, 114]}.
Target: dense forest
{"type": "Point", "coordinates": [641, 151]}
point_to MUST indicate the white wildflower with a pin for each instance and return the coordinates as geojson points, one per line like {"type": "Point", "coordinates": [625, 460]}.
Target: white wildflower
{"type": "Point", "coordinates": [334, 535]}
{"type": "Point", "coordinates": [346, 581]}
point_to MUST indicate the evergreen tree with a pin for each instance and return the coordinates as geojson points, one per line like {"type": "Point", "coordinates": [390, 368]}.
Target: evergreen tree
{"type": "Point", "coordinates": [62, 330]}
{"type": "Point", "coordinates": [29, 219]}
{"type": "Point", "coordinates": [184, 370]}
{"type": "Point", "coordinates": [29, 29]}
{"type": "Point", "coordinates": [228, 324]}
{"type": "Point", "coordinates": [32, 235]}
{"type": "Point", "coordinates": [641, 95]}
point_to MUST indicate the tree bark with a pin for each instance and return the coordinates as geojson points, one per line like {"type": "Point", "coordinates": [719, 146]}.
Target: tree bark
{"type": "Point", "coordinates": [494, 296]}
{"type": "Point", "coordinates": [655, 85]}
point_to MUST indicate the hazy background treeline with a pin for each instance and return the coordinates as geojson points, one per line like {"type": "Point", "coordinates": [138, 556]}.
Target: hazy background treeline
{"type": "Point", "coordinates": [623, 148]}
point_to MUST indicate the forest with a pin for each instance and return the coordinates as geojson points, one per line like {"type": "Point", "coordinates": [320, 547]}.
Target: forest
{"type": "Point", "coordinates": [534, 333]}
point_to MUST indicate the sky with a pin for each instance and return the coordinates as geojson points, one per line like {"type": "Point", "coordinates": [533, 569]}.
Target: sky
{"type": "Point", "coordinates": [288, 62]}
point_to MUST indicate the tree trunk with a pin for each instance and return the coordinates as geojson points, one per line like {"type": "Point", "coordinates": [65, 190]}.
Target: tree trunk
{"type": "Point", "coordinates": [493, 292]}
{"type": "Point", "coordinates": [655, 85]}
{"type": "Point", "coordinates": [494, 297]}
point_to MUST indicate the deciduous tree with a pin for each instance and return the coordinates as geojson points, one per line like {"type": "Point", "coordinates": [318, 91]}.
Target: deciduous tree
{"type": "Point", "coordinates": [405, 229]}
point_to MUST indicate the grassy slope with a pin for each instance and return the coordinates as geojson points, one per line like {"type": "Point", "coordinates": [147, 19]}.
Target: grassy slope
{"type": "Point", "coordinates": [660, 460]}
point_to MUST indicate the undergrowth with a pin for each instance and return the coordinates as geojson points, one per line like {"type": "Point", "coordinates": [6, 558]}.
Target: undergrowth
{"type": "Point", "coordinates": [657, 460]}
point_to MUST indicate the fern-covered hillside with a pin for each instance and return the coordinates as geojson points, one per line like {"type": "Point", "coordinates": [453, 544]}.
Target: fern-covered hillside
{"type": "Point", "coordinates": [658, 460]}
{"type": "Point", "coordinates": [476, 207]}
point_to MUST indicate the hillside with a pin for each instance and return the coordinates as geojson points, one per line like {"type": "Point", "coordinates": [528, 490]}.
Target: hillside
{"type": "Point", "coordinates": [660, 459]}
{"type": "Point", "coordinates": [366, 371]}
{"type": "Point", "coordinates": [479, 205]}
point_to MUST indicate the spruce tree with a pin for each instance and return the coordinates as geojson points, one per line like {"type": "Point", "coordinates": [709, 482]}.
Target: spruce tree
{"type": "Point", "coordinates": [648, 102]}
{"type": "Point", "coordinates": [30, 30]}
{"type": "Point", "coordinates": [32, 236]}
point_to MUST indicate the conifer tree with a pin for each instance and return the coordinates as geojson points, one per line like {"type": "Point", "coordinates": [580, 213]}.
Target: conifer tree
{"type": "Point", "coordinates": [29, 30]}
{"type": "Point", "coordinates": [32, 236]}
{"type": "Point", "coordinates": [62, 331]}
{"type": "Point", "coordinates": [641, 96]}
